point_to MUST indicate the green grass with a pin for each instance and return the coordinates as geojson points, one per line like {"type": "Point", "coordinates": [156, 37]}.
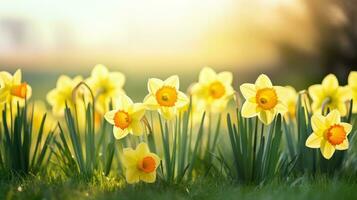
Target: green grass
{"type": "Point", "coordinates": [208, 188]}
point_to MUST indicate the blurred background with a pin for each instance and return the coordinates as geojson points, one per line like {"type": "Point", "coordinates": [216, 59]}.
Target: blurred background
{"type": "Point", "coordinates": [296, 42]}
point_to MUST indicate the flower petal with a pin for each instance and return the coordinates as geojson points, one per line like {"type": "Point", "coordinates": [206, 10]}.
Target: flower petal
{"type": "Point", "coordinates": [150, 102]}
{"type": "Point", "coordinates": [129, 158]}
{"type": "Point", "coordinates": [132, 176]}
{"type": "Point", "coordinates": [154, 84]}
{"type": "Point", "coordinates": [330, 83]}
{"type": "Point", "coordinates": [267, 116]}
{"type": "Point", "coordinates": [316, 92]}
{"type": "Point", "coordinates": [168, 112]}
{"type": "Point", "coordinates": [327, 149]}
{"type": "Point", "coordinates": [136, 128]}
{"type": "Point", "coordinates": [138, 111]}
{"type": "Point", "coordinates": [109, 116]}
{"type": "Point", "coordinates": [343, 146]}
{"type": "Point", "coordinates": [142, 149]}
{"type": "Point", "coordinates": [347, 127]}
{"type": "Point", "coordinates": [100, 71]}
{"type": "Point", "coordinates": [281, 108]}
{"type": "Point", "coordinates": [17, 77]}
{"type": "Point", "coordinates": [318, 123]}
{"type": "Point", "coordinates": [148, 177]}
{"type": "Point", "coordinates": [263, 81]}
{"type": "Point", "coordinates": [249, 109]}
{"type": "Point", "coordinates": [207, 74]}
{"type": "Point", "coordinates": [226, 77]}
{"type": "Point", "coordinates": [248, 90]}
{"type": "Point", "coordinates": [314, 141]}
{"type": "Point", "coordinates": [119, 133]}
{"type": "Point", "coordinates": [333, 117]}
{"type": "Point", "coordinates": [182, 100]}
{"type": "Point", "coordinates": [173, 81]}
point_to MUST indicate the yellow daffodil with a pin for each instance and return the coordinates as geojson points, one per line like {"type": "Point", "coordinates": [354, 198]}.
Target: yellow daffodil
{"type": "Point", "coordinates": [329, 133]}
{"type": "Point", "coordinates": [165, 96]}
{"type": "Point", "coordinates": [106, 86]}
{"type": "Point", "coordinates": [213, 90]}
{"type": "Point", "coordinates": [62, 94]}
{"type": "Point", "coordinates": [140, 164]}
{"type": "Point", "coordinates": [126, 117]}
{"type": "Point", "coordinates": [12, 90]}
{"type": "Point", "coordinates": [352, 83]}
{"type": "Point", "coordinates": [263, 99]}
{"type": "Point", "coordinates": [291, 101]}
{"type": "Point", "coordinates": [329, 95]}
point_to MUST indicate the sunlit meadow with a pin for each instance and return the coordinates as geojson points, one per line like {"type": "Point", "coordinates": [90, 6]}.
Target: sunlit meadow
{"type": "Point", "coordinates": [178, 100]}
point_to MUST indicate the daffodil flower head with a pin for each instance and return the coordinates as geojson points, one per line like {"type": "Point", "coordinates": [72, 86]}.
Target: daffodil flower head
{"type": "Point", "coordinates": [329, 95]}
{"type": "Point", "coordinates": [213, 90]}
{"type": "Point", "coordinates": [126, 117]}
{"type": "Point", "coordinates": [105, 85]}
{"type": "Point", "coordinates": [329, 133]}
{"type": "Point", "coordinates": [12, 89]}
{"type": "Point", "coordinates": [62, 94]}
{"type": "Point", "coordinates": [140, 164]}
{"type": "Point", "coordinates": [262, 99]}
{"type": "Point", "coordinates": [165, 97]}
{"type": "Point", "coordinates": [352, 83]}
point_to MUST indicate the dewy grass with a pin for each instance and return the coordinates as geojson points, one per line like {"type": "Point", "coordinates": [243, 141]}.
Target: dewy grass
{"type": "Point", "coordinates": [23, 151]}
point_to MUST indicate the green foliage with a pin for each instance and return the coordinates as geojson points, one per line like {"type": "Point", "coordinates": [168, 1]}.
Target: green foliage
{"type": "Point", "coordinates": [257, 156]}
{"type": "Point", "coordinates": [80, 152]}
{"type": "Point", "coordinates": [307, 160]}
{"type": "Point", "coordinates": [22, 152]}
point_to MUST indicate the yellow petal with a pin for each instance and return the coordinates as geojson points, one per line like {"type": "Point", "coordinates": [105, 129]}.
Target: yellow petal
{"type": "Point", "coordinates": [100, 71]}
{"type": "Point", "coordinates": [123, 102]}
{"type": "Point", "coordinates": [263, 81]}
{"type": "Point", "coordinates": [119, 133]}
{"type": "Point", "coordinates": [109, 116]}
{"type": "Point", "coordinates": [343, 146]}
{"type": "Point", "coordinates": [333, 117]}
{"type": "Point", "coordinates": [344, 93]}
{"type": "Point", "coordinates": [330, 83]}
{"type": "Point", "coordinates": [327, 149]}
{"type": "Point", "coordinates": [136, 128]}
{"type": "Point", "coordinates": [129, 158]}
{"type": "Point", "coordinates": [6, 77]}
{"type": "Point", "coordinates": [226, 77]}
{"type": "Point", "coordinates": [150, 102]}
{"type": "Point", "coordinates": [281, 108]}
{"type": "Point", "coordinates": [314, 141]}
{"type": "Point", "coordinates": [17, 77]}
{"type": "Point", "coordinates": [154, 84]}
{"type": "Point", "coordinates": [249, 109]}
{"type": "Point", "coordinates": [347, 127]}
{"type": "Point", "coordinates": [207, 75]}
{"type": "Point", "coordinates": [316, 92]}
{"type": "Point", "coordinates": [318, 123]}
{"type": "Point", "coordinates": [342, 108]}
{"type": "Point", "coordinates": [28, 91]}
{"type": "Point", "coordinates": [148, 177]}
{"type": "Point", "coordinates": [142, 149]}
{"type": "Point", "coordinates": [248, 90]}
{"type": "Point", "coordinates": [182, 100]}
{"type": "Point", "coordinates": [117, 78]}
{"type": "Point", "coordinates": [138, 111]}
{"type": "Point", "coordinates": [352, 79]}
{"type": "Point", "coordinates": [173, 81]}
{"type": "Point", "coordinates": [267, 116]}
{"type": "Point", "coordinates": [168, 112]}
{"type": "Point", "coordinates": [132, 176]}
